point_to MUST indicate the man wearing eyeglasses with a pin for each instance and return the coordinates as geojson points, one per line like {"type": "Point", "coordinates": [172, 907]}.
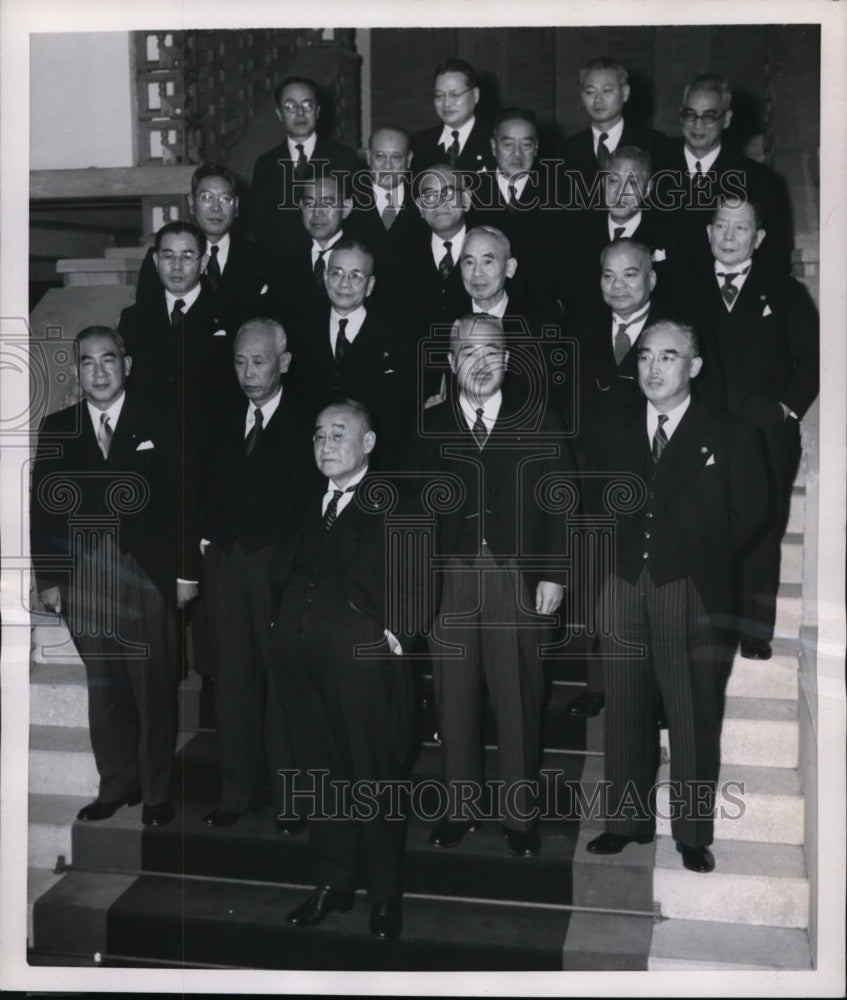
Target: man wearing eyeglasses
{"type": "Point", "coordinates": [237, 272]}
{"type": "Point", "coordinates": [704, 166]}
{"type": "Point", "coordinates": [275, 189]}
{"type": "Point", "coordinates": [347, 348]}
{"type": "Point", "coordinates": [700, 495]}
{"type": "Point", "coordinates": [461, 139]}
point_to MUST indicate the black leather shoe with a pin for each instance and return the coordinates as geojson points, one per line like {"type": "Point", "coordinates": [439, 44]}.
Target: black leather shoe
{"type": "Point", "coordinates": [386, 920]}
{"type": "Point", "coordinates": [323, 901]}
{"type": "Point", "coordinates": [103, 810]}
{"type": "Point", "coordinates": [157, 815]}
{"type": "Point", "coordinates": [523, 843]}
{"type": "Point", "coordinates": [288, 827]}
{"type": "Point", "coordinates": [586, 706]}
{"type": "Point", "coordinates": [755, 649]}
{"type": "Point", "coordinates": [450, 832]}
{"type": "Point", "coordinates": [614, 843]}
{"type": "Point", "coordinates": [697, 859]}
{"type": "Point", "coordinates": [223, 817]}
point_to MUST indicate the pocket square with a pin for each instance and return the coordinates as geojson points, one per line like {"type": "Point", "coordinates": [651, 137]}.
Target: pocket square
{"type": "Point", "coordinates": [219, 333]}
{"type": "Point", "coordinates": [263, 290]}
{"type": "Point", "coordinates": [145, 446]}
{"type": "Point", "coordinates": [710, 460]}
{"type": "Point", "coordinates": [659, 255]}
{"type": "Point", "coordinates": [767, 311]}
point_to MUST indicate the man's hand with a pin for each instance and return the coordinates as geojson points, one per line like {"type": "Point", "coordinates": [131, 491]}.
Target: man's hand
{"type": "Point", "coordinates": [186, 592]}
{"type": "Point", "coordinates": [51, 598]}
{"type": "Point", "coordinates": [548, 597]}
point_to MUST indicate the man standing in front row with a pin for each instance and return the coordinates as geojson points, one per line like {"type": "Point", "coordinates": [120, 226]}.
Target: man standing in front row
{"type": "Point", "coordinates": [705, 494]}
{"type": "Point", "coordinates": [115, 459]}
{"type": "Point", "coordinates": [347, 696]}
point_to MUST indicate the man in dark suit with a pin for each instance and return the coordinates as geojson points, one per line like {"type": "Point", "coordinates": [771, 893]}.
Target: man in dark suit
{"type": "Point", "coordinates": [346, 690]}
{"type": "Point", "coordinates": [494, 545]}
{"type": "Point", "coordinates": [181, 350]}
{"type": "Point", "coordinates": [274, 191]}
{"type": "Point", "coordinates": [766, 332]}
{"type": "Point", "coordinates": [237, 271]}
{"type": "Point", "coordinates": [349, 349]}
{"type": "Point", "coordinates": [461, 139]}
{"type": "Point", "coordinates": [107, 550]}
{"type": "Point", "coordinates": [703, 494]}
{"type": "Point", "coordinates": [604, 91]}
{"type": "Point", "coordinates": [704, 166]}
{"type": "Point", "coordinates": [260, 444]}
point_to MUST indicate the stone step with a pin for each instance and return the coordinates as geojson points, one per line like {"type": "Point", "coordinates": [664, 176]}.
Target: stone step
{"type": "Point", "coordinates": [61, 761]}
{"type": "Point", "coordinates": [762, 884]}
{"type": "Point", "coordinates": [762, 804]}
{"type": "Point", "coordinates": [50, 821]}
{"type": "Point", "coordinates": [52, 644]}
{"type": "Point", "coordinates": [791, 560]}
{"type": "Point", "coordinates": [789, 610]}
{"type": "Point", "coordinates": [58, 694]}
{"type": "Point", "coordinates": [776, 677]}
{"type": "Point", "coordinates": [38, 881]}
{"type": "Point", "coordinates": [686, 945]}
{"type": "Point", "coordinates": [797, 510]}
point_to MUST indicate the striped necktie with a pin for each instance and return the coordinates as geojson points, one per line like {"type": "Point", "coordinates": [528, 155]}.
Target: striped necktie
{"type": "Point", "coordinates": [660, 438]}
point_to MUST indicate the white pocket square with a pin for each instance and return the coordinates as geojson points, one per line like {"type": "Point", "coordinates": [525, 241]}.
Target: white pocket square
{"type": "Point", "coordinates": [145, 446]}
{"type": "Point", "coordinates": [659, 255]}
{"type": "Point", "coordinates": [264, 290]}
{"type": "Point", "coordinates": [767, 311]}
{"type": "Point", "coordinates": [710, 460]}
{"type": "Point", "coordinates": [219, 333]}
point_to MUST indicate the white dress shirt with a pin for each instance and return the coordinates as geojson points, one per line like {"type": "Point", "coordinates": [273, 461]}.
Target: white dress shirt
{"type": "Point", "coordinates": [737, 281]}
{"type": "Point", "coordinates": [629, 226]}
{"type": "Point", "coordinates": [308, 147]}
{"type": "Point", "coordinates": [354, 319]}
{"type": "Point", "coordinates": [519, 182]}
{"type": "Point", "coordinates": [490, 409]}
{"type": "Point", "coordinates": [456, 243]}
{"type": "Point", "coordinates": [613, 136]}
{"type": "Point", "coordinates": [317, 249]}
{"type": "Point", "coordinates": [498, 310]}
{"type": "Point", "coordinates": [223, 251]}
{"type": "Point", "coordinates": [189, 298]}
{"type": "Point", "coordinates": [464, 131]}
{"type": "Point", "coordinates": [635, 325]}
{"type": "Point", "coordinates": [113, 413]}
{"type": "Point", "coordinates": [268, 410]}
{"type": "Point", "coordinates": [706, 162]}
{"type": "Point", "coordinates": [674, 416]}
{"type": "Point", "coordinates": [381, 196]}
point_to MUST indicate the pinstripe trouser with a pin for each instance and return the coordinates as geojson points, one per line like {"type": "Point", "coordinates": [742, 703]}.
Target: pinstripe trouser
{"type": "Point", "coordinates": [679, 655]}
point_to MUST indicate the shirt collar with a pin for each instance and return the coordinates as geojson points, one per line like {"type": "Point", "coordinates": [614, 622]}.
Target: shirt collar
{"type": "Point", "coordinates": [674, 416]}
{"type": "Point", "coordinates": [113, 412]}
{"type": "Point", "coordinates": [735, 269]}
{"type": "Point", "coordinates": [354, 319]}
{"type": "Point", "coordinates": [268, 409]}
{"type": "Point", "coordinates": [331, 485]}
{"type": "Point", "coordinates": [629, 226]}
{"type": "Point", "coordinates": [519, 182]}
{"type": "Point", "coordinates": [317, 248]}
{"type": "Point", "coordinates": [308, 146]}
{"type": "Point", "coordinates": [464, 131]}
{"type": "Point", "coordinates": [456, 243]}
{"type": "Point", "coordinates": [498, 310]}
{"type": "Point", "coordinates": [381, 196]}
{"type": "Point", "coordinates": [613, 136]}
{"type": "Point", "coordinates": [188, 298]}
{"type": "Point", "coordinates": [223, 250]}
{"type": "Point", "coordinates": [634, 321]}
{"type": "Point", "coordinates": [706, 162]}
{"type": "Point", "coordinates": [490, 409]}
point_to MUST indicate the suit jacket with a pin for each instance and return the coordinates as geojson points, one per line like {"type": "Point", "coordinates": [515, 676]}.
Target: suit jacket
{"type": "Point", "coordinates": [273, 210]}
{"type": "Point", "coordinates": [501, 486]}
{"type": "Point", "coordinates": [293, 291]}
{"type": "Point", "coordinates": [186, 372]}
{"type": "Point", "coordinates": [378, 370]}
{"type": "Point", "coordinates": [476, 154]}
{"type": "Point", "coordinates": [243, 497]}
{"type": "Point", "coordinates": [579, 150]}
{"type": "Point", "coordinates": [243, 287]}
{"type": "Point", "coordinates": [736, 174]}
{"type": "Point", "coordinates": [767, 346]}
{"type": "Point", "coordinates": [702, 502]}
{"type": "Point", "coordinates": [143, 446]}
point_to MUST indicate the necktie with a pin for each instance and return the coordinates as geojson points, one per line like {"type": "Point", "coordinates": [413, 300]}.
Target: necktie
{"type": "Point", "coordinates": [389, 214]}
{"type": "Point", "coordinates": [331, 513]}
{"type": "Point", "coordinates": [341, 343]}
{"type": "Point", "coordinates": [622, 343]}
{"type": "Point", "coordinates": [453, 148]}
{"type": "Point", "coordinates": [213, 269]}
{"type": "Point", "coordinates": [479, 430]}
{"type": "Point", "coordinates": [728, 290]}
{"type": "Point", "coordinates": [660, 439]}
{"type": "Point", "coordinates": [617, 232]}
{"type": "Point", "coordinates": [445, 265]}
{"type": "Point", "coordinates": [104, 434]}
{"type": "Point", "coordinates": [252, 438]}
{"type": "Point", "coordinates": [177, 315]}
{"type": "Point", "coordinates": [318, 270]}
{"type": "Point", "coordinates": [513, 195]}
{"type": "Point", "coordinates": [699, 176]}
{"type": "Point", "coordinates": [301, 167]}
{"type": "Point", "coordinates": [603, 153]}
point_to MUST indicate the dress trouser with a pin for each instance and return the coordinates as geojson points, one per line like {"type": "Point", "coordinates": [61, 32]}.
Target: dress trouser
{"type": "Point", "coordinates": [252, 736]}
{"type": "Point", "coordinates": [678, 655]}
{"type": "Point", "coordinates": [487, 610]}
{"type": "Point", "coordinates": [343, 711]}
{"type": "Point", "coordinates": [132, 673]}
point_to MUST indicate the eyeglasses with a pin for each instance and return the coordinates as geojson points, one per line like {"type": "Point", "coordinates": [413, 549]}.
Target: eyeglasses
{"type": "Point", "coordinates": [450, 95]}
{"type": "Point", "coordinates": [186, 256]}
{"type": "Point", "coordinates": [210, 198]}
{"type": "Point", "coordinates": [356, 276]}
{"type": "Point", "coordinates": [663, 358]}
{"type": "Point", "coordinates": [433, 196]}
{"type": "Point", "coordinates": [690, 116]}
{"type": "Point", "coordinates": [293, 106]}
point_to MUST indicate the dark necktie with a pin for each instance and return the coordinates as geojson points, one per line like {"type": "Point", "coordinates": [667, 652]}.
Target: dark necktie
{"type": "Point", "coordinates": [513, 195]}
{"type": "Point", "coordinates": [453, 148]}
{"type": "Point", "coordinates": [331, 513]}
{"type": "Point", "coordinates": [301, 167]}
{"type": "Point", "coordinates": [728, 290]}
{"type": "Point", "coordinates": [341, 343]}
{"type": "Point", "coordinates": [177, 315]}
{"type": "Point", "coordinates": [104, 434]}
{"type": "Point", "coordinates": [213, 269]}
{"type": "Point", "coordinates": [318, 270]}
{"type": "Point", "coordinates": [389, 214]}
{"type": "Point", "coordinates": [252, 438]}
{"type": "Point", "coordinates": [622, 343]}
{"type": "Point", "coordinates": [479, 430]}
{"type": "Point", "coordinates": [700, 178]}
{"type": "Point", "coordinates": [603, 153]}
{"type": "Point", "coordinates": [617, 232]}
{"type": "Point", "coordinates": [445, 265]}
{"type": "Point", "coordinates": [660, 439]}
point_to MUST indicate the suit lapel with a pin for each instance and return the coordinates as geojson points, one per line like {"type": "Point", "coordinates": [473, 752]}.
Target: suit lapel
{"type": "Point", "coordinates": [687, 451]}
